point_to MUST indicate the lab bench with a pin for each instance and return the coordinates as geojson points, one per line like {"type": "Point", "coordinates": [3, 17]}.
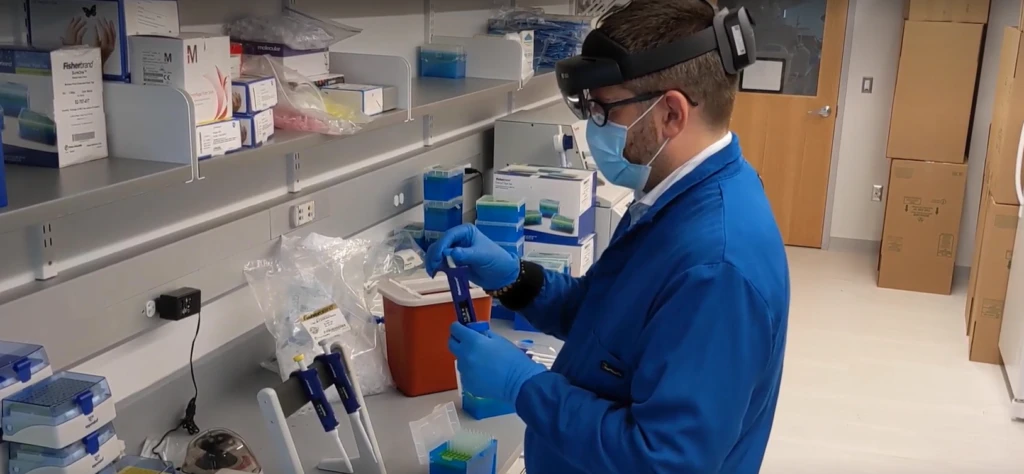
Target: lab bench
{"type": "Point", "coordinates": [230, 378]}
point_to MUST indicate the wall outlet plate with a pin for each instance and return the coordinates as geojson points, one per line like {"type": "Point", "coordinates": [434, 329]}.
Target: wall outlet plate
{"type": "Point", "coordinates": [867, 84]}
{"type": "Point", "coordinates": [876, 192]}
{"type": "Point", "coordinates": [303, 213]}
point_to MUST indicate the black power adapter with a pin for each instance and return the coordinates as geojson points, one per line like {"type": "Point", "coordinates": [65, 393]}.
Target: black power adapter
{"type": "Point", "coordinates": [179, 304]}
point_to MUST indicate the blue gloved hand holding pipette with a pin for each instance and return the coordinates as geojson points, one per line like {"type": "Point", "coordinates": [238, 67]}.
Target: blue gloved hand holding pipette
{"type": "Point", "coordinates": [490, 266]}
{"type": "Point", "coordinates": [490, 365]}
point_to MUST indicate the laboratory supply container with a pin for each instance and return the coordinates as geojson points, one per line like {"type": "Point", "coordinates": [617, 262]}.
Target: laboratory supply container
{"type": "Point", "coordinates": [442, 215]}
{"type": "Point", "coordinates": [517, 249]}
{"type": "Point", "coordinates": [534, 217]}
{"type": "Point", "coordinates": [443, 60]}
{"type": "Point", "coordinates": [442, 444]}
{"type": "Point", "coordinates": [58, 410]}
{"type": "Point", "coordinates": [21, 365]}
{"type": "Point", "coordinates": [91, 454]}
{"type": "Point", "coordinates": [502, 231]}
{"type": "Point", "coordinates": [431, 236]}
{"type": "Point", "coordinates": [492, 209]}
{"type": "Point", "coordinates": [443, 184]}
{"type": "Point", "coordinates": [419, 313]}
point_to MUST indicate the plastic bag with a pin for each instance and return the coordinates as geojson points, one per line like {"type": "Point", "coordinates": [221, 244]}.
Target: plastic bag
{"type": "Point", "coordinates": [292, 28]}
{"type": "Point", "coordinates": [556, 37]}
{"type": "Point", "coordinates": [301, 106]}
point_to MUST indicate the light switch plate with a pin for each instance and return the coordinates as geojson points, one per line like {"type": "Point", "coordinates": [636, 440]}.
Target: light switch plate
{"type": "Point", "coordinates": [867, 84]}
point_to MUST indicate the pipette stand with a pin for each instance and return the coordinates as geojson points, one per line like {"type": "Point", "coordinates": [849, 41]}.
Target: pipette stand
{"type": "Point", "coordinates": [284, 400]}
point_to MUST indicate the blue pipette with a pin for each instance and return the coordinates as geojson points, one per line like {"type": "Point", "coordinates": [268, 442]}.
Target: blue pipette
{"type": "Point", "coordinates": [340, 377]}
{"type": "Point", "coordinates": [315, 393]}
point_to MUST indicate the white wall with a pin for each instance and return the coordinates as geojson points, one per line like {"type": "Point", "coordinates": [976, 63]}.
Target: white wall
{"type": "Point", "coordinates": [877, 30]}
{"type": "Point", "coordinates": [878, 27]}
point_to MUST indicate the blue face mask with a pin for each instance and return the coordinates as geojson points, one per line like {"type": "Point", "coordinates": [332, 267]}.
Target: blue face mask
{"type": "Point", "coordinates": [607, 145]}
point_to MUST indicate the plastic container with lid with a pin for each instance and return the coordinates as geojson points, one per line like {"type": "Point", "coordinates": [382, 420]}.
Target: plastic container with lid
{"type": "Point", "coordinates": [442, 215]}
{"type": "Point", "coordinates": [90, 455]}
{"type": "Point", "coordinates": [21, 365]}
{"type": "Point", "coordinates": [502, 231]}
{"type": "Point", "coordinates": [58, 411]}
{"type": "Point", "coordinates": [517, 249]}
{"type": "Point", "coordinates": [442, 184]}
{"type": "Point", "coordinates": [492, 209]}
{"type": "Point", "coordinates": [441, 442]}
{"type": "Point", "coordinates": [419, 312]}
{"type": "Point", "coordinates": [443, 60]}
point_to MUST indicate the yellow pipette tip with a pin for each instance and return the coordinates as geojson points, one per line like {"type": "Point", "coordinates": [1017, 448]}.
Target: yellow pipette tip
{"type": "Point", "coordinates": [299, 358]}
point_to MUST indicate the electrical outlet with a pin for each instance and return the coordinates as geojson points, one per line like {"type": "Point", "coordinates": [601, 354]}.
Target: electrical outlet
{"type": "Point", "coordinates": [303, 213]}
{"type": "Point", "coordinates": [876, 192]}
{"type": "Point", "coordinates": [867, 84]}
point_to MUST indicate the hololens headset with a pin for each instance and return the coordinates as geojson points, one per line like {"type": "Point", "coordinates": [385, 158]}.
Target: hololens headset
{"type": "Point", "coordinates": [604, 62]}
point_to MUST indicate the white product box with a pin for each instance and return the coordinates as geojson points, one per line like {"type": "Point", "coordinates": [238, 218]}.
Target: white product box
{"type": "Point", "coordinates": [582, 254]}
{"type": "Point", "coordinates": [198, 64]}
{"type": "Point", "coordinates": [612, 205]}
{"type": "Point", "coordinates": [306, 62]}
{"type": "Point", "coordinates": [563, 196]}
{"type": "Point", "coordinates": [256, 128]}
{"type": "Point", "coordinates": [253, 94]}
{"type": "Point", "coordinates": [218, 138]}
{"type": "Point", "coordinates": [52, 105]}
{"type": "Point", "coordinates": [524, 37]}
{"type": "Point", "coordinates": [324, 80]}
{"type": "Point", "coordinates": [106, 24]}
{"type": "Point", "coordinates": [370, 100]}
{"type": "Point", "coordinates": [236, 60]}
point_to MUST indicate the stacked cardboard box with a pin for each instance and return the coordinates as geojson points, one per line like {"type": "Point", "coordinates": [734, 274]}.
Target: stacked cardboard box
{"type": "Point", "coordinates": [928, 134]}
{"type": "Point", "coordinates": [999, 210]}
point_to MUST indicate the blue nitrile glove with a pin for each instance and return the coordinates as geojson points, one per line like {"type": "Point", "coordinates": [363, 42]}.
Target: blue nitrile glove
{"type": "Point", "coordinates": [490, 365]}
{"type": "Point", "coordinates": [490, 266]}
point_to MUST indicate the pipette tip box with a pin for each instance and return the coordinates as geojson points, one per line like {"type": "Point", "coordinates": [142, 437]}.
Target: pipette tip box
{"type": "Point", "coordinates": [443, 184]}
{"type": "Point", "coordinates": [484, 408]}
{"type": "Point", "coordinates": [90, 455]}
{"type": "Point", "coordinates": [58, 410]}
{"type": "Point", "coordinates": [442, 444]}
{"type": "Point", "coordinates": [21, 365]}
{"type": "Point", "coordinates": [442, 215]}
{"type": "Point", "coordinates": [492, 209]}
{"type": "Point", "coordinates": [443, 60]}
{"type": "Point", "coordinates": [502, 231]}
{"type": "Point", "coordinates": [517, 249]}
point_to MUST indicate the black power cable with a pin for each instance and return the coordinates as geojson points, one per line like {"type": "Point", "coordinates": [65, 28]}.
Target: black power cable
{"type": "Point", "coordinates": [188, 422]}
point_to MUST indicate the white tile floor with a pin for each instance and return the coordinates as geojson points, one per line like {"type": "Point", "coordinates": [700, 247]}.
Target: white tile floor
{"type": "Point", "coordinates": [878, 380]}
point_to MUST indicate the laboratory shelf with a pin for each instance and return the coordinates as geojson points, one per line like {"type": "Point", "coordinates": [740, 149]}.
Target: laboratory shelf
{"type": "Point", "coordinates": [37, 195]}
{"type": "Point", "coordinates": [432, 94]}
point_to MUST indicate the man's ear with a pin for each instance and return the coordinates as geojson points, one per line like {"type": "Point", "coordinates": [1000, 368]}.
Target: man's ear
{"type": "Point", "coordinates": [678, 113]}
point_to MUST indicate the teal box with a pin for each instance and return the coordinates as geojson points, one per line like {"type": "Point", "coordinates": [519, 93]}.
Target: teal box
{"type": "Point", "coordinates": [484, 408]}
{"type": "Point", "coordinates": [517, 249]}
{"type": "Point", "coordinates": [491, 209]}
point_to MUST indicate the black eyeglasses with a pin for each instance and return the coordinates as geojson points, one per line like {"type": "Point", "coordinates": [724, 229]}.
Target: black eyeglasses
{"type": "Point", "coordinates": [599, 111]}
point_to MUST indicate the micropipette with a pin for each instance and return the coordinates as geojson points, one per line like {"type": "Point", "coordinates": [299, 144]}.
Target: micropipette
{"type": "Point", "coordinates": [458, 281]}
{"type": "Point", "coordinates": [340, 378]}
{"type": "Point", "coordinates": [315, 393]}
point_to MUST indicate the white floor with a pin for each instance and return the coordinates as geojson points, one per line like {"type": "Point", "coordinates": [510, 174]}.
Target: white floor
{"type": "Point", "coordinates": [878, 381]}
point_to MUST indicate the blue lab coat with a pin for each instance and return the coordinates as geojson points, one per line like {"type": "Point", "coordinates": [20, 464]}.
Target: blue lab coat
{"type": "Point", "coordinates": [674, 340]}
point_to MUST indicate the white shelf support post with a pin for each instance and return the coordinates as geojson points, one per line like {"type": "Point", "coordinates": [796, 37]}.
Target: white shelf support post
{"type": "Point", "coordinates": [294, 175]}
{"type": "Point", "coordinates": [428, 21]}
{"type": "Point", "coordinates": [43, 246]}
{"type": "Point", "coordinates": [428, 130]}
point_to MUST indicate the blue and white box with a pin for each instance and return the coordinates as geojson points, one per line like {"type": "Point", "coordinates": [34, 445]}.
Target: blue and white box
{"type": "Point", "coordinates": [257, 128]}
{"type": "Point", "coordinates": [63, 408]}
{"type": "Point", "coordinates": [106, 24]}
{"type": "Point", "coordinates": [52, 103]}
{"type": "Point", "coordinates": [90, 454]}
{"type": "Point", "coordinates": [314, 62]}
{"type": "Point", "coordinates": [250, 95]}
{"type": "Point", "coordinates": [573, 190]}
{"type": "Point", "coordinates": [368, 99]}
{"type": "Point", "coordinates": [581, 255]}
{"type": "Point", "coordinates": [218, 138]}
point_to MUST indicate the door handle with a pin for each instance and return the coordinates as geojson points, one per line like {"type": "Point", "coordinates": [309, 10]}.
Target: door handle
{"type": "Point", "coordinates": [823, 112]}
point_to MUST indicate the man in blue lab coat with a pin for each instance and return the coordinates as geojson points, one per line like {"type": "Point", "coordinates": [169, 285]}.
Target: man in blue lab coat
{"type": "Point", "coordinates": [674, 340]}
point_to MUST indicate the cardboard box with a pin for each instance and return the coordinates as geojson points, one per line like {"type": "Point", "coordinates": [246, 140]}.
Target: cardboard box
{"type": "Point", "coordinates": [581, 255]}
{"type": "Point", "coordinates": [218, 138]}
{"type": "Point", "coordinates": [253, 94]}
{"type": "Point", "coordinates": [108, 23]}
{"type": "Point", "coordinates": [198, 64]}
{"type": "Point", "coordinates": [922, 220]}
{"type": "Point", "coordinates": [931, 110]}
{"type": "Point", "coordinates": [990, 275]}
{"type": "Point", "coordinates": [564, 197]}
{"type": "Point", "coordinates": [51, 103]}
{"type": "Point", "coordinates": [306, 62]}
{"type": "Point", "coordinates": [956, 11]}
{"type": "Point", "coordinates": [256, 129]}
{"type": "Point", "coordinates": [370, 100]}
{"type": "Point", "coordinates": [1007, 119]}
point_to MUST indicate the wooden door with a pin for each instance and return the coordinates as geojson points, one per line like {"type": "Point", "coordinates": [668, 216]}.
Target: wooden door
{"type": "Point", "coordinates": [786, 110]}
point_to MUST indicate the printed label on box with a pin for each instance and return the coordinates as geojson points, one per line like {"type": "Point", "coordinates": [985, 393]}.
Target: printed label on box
{"type": "Point", "coordinates": [52, 106]}
{"type": "Point", "coordinates": [251, 95]}
{"type": "Point", "coordinates": [198, 64]}
{"type": "Point", "coordinates": [218, 138]}
{"type": "Point", "coordinates": [563, 197]}
{"type": "Point", "coordinates": [257, 129]}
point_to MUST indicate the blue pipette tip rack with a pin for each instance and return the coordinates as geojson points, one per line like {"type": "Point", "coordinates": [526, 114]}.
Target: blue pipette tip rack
{"type": "Point", "coordinates": [18, 362]}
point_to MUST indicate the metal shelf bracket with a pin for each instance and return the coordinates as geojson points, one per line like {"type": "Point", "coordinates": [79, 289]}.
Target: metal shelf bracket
{"type": "Point", "coordinates": [43, 247]}
{"type": "Point", "coordinates": [294, 172]}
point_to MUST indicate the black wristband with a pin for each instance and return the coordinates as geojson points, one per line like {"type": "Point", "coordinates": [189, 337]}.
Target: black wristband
{"type": "Point", "coordinates": [521, 293]}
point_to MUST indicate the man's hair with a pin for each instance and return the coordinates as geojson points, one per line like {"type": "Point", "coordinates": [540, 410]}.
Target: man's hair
{"type": "Point", "coordinates": [647, 24]}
